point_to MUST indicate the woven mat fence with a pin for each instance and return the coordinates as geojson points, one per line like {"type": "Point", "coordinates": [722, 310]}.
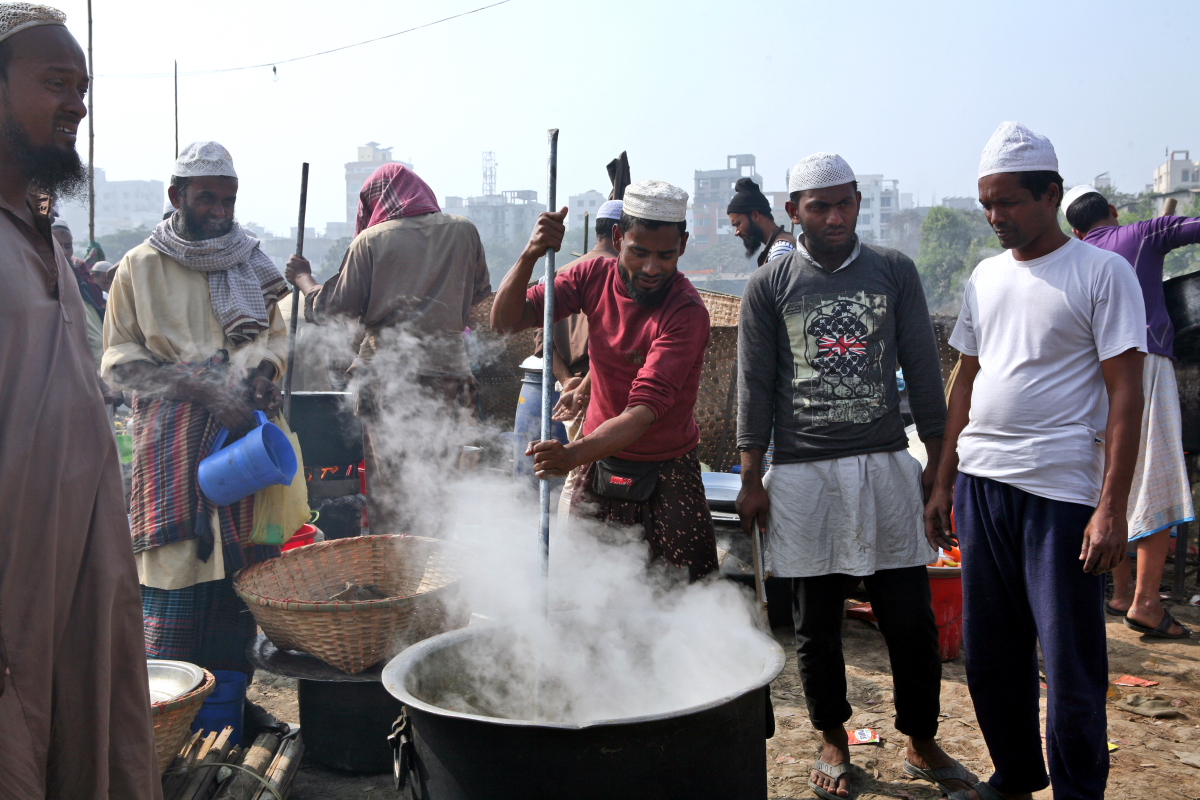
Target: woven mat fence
{"type": "Point", "coordinates": [499, 374]}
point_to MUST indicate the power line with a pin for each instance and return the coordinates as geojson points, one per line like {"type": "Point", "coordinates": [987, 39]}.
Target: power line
{"type": "Point", "coordinates": [310, 55]}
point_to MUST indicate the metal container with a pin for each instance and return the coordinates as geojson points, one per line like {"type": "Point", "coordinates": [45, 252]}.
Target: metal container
{"type": "Point", "coordinates": [713, 750]}
{"type": "Point", "coordinates": [172, 679]}
{"type": "Point", "coordinates": [1183, 306]}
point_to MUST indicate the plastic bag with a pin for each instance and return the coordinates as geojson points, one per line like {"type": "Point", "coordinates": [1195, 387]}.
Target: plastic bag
{"type": "Point", "coordinates": [280, 511]}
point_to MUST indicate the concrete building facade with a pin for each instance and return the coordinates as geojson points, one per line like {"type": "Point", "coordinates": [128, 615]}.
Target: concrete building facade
{"type": "Point", "coordinates": [1177, 173]}
{"type": "Point", "coordinates": [587, 203]}
{"type": "Point", "coordinates": [713, 191]}
{"type": "Point", "coordinates": [881, 198]}
{"type": "Point", "coordinates": [120, 206]}
{"type": "Point", "coordinates": [508, 216]}
{"type": "Point", "coordinates": [370, 158]}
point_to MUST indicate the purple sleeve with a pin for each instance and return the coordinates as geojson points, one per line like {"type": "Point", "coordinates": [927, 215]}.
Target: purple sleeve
{"type": "Point", "coordinates": [1168, 233]}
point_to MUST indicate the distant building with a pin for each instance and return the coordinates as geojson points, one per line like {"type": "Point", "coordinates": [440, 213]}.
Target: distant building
{"type": "Point", "coordinates": [370, 158]}
{"type": "Point", "coordinates": [120, 206]}
{"type": "Point", "coordinates": [960, 203]}
{"type": "Point", "coordinates": [1177, 173]}
{"type": "Point", "coordinates": [714, 190]}
{"type": "Point", "coordinates": [880, 199]}
{"type": "Point", "coordinates": [338, 230]}
{"type": "Point", "coordinates": [587, 203]}
{"type": "Point", "coordinates": [508, 216]}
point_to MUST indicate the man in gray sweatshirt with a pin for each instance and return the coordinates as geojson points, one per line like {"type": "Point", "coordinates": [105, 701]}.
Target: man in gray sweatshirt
{"type": "Point", "coordinates": [822, 332]}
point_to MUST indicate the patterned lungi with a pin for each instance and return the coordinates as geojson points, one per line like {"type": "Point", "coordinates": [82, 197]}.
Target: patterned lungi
{"type": "Point", "coordinates": [676, 519]}
{"type": "Point", "coordinates": [1160, 496]}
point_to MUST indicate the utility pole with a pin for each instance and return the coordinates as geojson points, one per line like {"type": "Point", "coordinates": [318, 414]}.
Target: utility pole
{"type": "Point", "coordinates": [91, 136]}
{"type": "Point", "coordinates": [176, 108]}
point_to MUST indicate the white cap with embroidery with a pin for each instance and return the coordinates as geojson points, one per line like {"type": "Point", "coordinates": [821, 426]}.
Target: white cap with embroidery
{"type": "Point", "coordinates": [656, 200]}
{"type": "Point", "coordinates": [819, 171]}
{"type": "Point", "coordinates": [201, 159]}
{"type": "Point", "coordinates": [1015, 148]}
{"type": "Point", "coordinates": [1074, 194]}
{"type": "Point", "coordinates": [16, 17]}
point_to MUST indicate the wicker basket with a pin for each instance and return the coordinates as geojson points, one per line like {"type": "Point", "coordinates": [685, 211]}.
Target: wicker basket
{"type": "Point", "coordinates": [724, 310]}
{"type": "Point", "coordinates": [499, 374]}
{"type": "Point", "coordinates": [173, 720]}
{"type": "Point", "coordinates": [716, 402]}
{"type": "Point", "coordinates": [289, 597]}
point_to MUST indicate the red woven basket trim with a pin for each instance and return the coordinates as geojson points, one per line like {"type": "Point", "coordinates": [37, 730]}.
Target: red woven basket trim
{"type": "Point", "coordinates": [195, 696]}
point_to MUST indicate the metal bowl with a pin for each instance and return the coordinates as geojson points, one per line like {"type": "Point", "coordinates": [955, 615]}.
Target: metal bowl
{"type": "Point", "coordinates": [172, 679]}
{"type": "Point", "coordinates": [721, 489]}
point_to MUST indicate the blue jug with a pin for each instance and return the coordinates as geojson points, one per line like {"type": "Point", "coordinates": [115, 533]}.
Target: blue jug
{"type": "Point", "coordinates": [263, 457]}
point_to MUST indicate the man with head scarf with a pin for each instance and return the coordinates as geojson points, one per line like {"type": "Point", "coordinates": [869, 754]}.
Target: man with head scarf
{"type": "Point", "coordinates": [1161, 497]}
{"type": "Point", "coordinates": [1042, 437]}
{"type": "Point", "coordinates": [74, 712]}
{"type": "Point", "coordinates": [647, 332]}
{"type": "Point", "coordinates": [408, 281]}
{"type": "Point", "coordinates": [822, 332]}
{"type": "Point", "coordinates": [193, 328]}
{"type": "Point", "coordinates": [750, 214]}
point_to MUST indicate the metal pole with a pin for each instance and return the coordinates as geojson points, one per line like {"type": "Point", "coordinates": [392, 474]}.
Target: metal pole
{"type": "Point", "coordinates": [291, 356]}
{"type": "Point", "coordinates": [91, 137]}
{"type": "Point", "coordinates": [177, 109]}
{"type": "Point", "coordinates": [548, 367]}
{"type": "Point", "coordinates": [585, 230]}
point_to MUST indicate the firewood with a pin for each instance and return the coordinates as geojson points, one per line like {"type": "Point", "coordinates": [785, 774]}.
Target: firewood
{"type": "Point", "coordinates": [199, 751]}
{"type": "Point", "coordinates": [205, 775]}
{"type": "Point", "coordinates": [176, 773]}
{"type": "Point", "coordinates": [258, 758]}
{"type": "Point", "coordinates": [279, 776]}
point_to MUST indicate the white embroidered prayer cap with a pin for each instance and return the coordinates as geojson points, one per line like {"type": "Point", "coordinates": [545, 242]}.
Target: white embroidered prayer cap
{"type": "Point", "coordinates": [819, 171]}
{"type": "Point", "coordinates": [16, 17]}
{"type": "Point", "coordinates": [1015, 148]}
{"type": "Point", "coordinates": [201, 159]}
{"type": "Point", "coordinates": [656, 200]}
{"type": "Point", "coordinates": [102, 267]}
{"type": "Point", "coordinates": [1074, 194]}
{"type": "Point", "coordinates": [611, 209]}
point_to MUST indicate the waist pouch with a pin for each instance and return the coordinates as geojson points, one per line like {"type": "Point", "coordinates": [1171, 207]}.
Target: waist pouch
{"type": "Point", "coordinates": [622, 479]}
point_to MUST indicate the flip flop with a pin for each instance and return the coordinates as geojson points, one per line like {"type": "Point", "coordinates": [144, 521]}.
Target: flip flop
{"type": "Point", "coordinates": [982, 789]}
{"type": "Point", "coordinates": [1163, 631]}
{"type": "Point", "coordinates": [835, 773]}
{"type": "Point", "coordinates": [936, 776]}
{"type": "Point", "coordinates": [1115, 612]}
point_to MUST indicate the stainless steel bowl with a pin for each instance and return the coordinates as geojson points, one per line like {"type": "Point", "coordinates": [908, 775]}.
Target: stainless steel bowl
{"type": "Point", "coordinates": [172, 679]}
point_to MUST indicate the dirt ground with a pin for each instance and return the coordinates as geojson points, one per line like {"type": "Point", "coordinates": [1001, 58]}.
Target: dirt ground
{"type": "Point", "coordinates": [1145, 766]}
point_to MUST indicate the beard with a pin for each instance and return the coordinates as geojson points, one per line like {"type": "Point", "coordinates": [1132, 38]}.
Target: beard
{"type": "Point", "coordinates": [755, 238]}
{"type": "Point", "coordinates": [191, 225]}
{"type": "Point", "coordinates": [649, 299]}
{"type": "Point", "coordinates": [57, 172]}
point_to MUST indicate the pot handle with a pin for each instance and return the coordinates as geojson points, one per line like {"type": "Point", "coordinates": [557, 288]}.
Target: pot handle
{"type": "Point", "coordinates": [219, 442]}
{"type": "Point", "coordinates": [402, 757]}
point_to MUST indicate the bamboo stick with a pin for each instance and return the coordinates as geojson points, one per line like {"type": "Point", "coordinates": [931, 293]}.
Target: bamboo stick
{"type": "Point", "coordinates": [283, 769]}
{"type": "Point", "coordinates": [258, 758]}
{"type": "Point", "coordinates": [176, 773]}
{"type": "Point", "coordinates": [205, 776]}
{"type": "Point", "coordinates": [199, 753]}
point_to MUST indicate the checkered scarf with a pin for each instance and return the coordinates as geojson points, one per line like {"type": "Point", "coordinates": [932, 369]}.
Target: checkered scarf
{"type": "Point", "coordinates": [242, 281]}
{"type": "Point", "coordinates": [393, 191]}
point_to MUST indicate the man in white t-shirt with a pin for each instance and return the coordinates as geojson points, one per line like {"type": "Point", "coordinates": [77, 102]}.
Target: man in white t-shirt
{"type": "Point", "coordinates": [1046, 415]}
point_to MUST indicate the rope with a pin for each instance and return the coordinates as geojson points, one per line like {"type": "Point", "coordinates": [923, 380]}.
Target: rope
{"type": "Point", "coordinates": [274, 64]}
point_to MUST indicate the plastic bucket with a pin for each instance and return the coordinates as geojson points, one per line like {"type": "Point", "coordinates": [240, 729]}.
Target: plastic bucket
{"type": "Point", "coordinates": [263, 457]}
{"type": "Point", "coordinates": [306, 535]}
{"type": "Point", "coordinates": [945, 584]}
{"type": "Point", "coordinates": [225, 705]}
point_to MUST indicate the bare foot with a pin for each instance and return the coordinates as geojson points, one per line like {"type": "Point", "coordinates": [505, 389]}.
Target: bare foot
{"type": "Point", "coordinates": [928, 754]}
{"type": "Point", "coordinates": [836, 751]}
{"type": "Point", "coordinates": [1150, 615]}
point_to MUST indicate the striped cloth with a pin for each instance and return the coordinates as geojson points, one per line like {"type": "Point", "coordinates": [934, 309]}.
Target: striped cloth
{"type": "Point", "coordinates": [1160, 496]}
{"type": "Point", "coordinates": [393, 191]}
{"type": "Point", "coordinates": [206, 624]}
{"type": "Point", "coordinates": [170, 438]}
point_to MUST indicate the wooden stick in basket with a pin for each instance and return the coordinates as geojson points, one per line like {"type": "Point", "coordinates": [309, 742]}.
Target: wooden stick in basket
{"type": "Point", "coordinates": [204, 778]}
{"type": "Point", "coordinates": [176, 774]}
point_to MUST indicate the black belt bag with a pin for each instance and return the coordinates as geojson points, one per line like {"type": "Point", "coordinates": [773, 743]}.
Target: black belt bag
{"type": "Point", "coordinates": [622, 479]}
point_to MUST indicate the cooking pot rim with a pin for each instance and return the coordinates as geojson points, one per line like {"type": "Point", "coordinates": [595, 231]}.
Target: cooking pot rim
{"type": "Point", "coordinates": [399, 667]}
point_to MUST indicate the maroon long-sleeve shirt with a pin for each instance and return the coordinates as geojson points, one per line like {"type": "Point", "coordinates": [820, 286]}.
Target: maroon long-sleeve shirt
{"type": "Point", "coordinates": [640, 356]}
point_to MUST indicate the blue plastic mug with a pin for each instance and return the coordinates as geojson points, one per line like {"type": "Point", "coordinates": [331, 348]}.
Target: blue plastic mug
{"type": "Point", "coordinates": [263, 457]}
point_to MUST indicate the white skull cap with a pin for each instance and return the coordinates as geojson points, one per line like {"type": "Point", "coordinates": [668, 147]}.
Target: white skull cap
{"type": "Point", "coordinates": [199, 159]}
{"type": "Point", "coordinates": [819, 171]}
{"type": "Point", "coordinates": [16, 17]}
{"type": "Point", "coordinates": [1015, 148]}
{"type": "Point", "coordinates": [1074, 194]}
{"type": "Point", "coordinates": [610, 210]}
{"type": "Point", "coordinates": [656, 200]}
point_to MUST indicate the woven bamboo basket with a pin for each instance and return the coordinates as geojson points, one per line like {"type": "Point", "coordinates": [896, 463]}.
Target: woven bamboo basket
{"type": "Point", "coordinates": [716, 402]}
{"type": "Point", "coordinates": [173, 720]}
{"type": "Point", "coordinates": [724, 310]}
{"type": "Point", "coordinates": [289, 597]}
{"type": "Point", "coordinates": [499, 374]}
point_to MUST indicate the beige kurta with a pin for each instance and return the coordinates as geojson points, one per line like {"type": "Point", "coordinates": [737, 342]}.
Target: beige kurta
{"type": "Point", "coordinates": [423, 272]}
{"type": "Point", "coordinates": [75, 710]}
{"type": "Point", "coordinates": [160, 311]}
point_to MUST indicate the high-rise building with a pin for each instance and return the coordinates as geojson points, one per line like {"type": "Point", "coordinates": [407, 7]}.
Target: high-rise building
{"type": "Point", "coordinates": [714, 190]}
{"type": "Point", "coordinates": [370, 157]}
{"type": "Point", "coordinates": [504, 217]}
{"type": "Point", "coordinates": [587, 203]}
{"type": "Point", "coordinates": [880, 199]}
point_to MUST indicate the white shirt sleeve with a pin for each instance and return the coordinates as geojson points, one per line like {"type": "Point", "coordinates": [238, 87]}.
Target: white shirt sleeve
{"type": "Point", "coordinates": [963, 338]}
{"type": "Point", "coordinates": [1118, 310]}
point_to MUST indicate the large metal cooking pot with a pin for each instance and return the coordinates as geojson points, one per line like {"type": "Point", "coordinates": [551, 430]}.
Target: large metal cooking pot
{"type": "Point", "coordinates": [1183, 307]}
{"type": "Point", "coordinates": [713, 750]}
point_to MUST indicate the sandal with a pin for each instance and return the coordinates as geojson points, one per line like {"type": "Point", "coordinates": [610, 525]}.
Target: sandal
{"type": "Point", "coordinates": [834, 772]}
{"type": "Point", "coordinates": [982, 789]}
{"type": "Point", "coordinates": [1163, 630]}
{"type": "Point", "coordinates": [936, 776]}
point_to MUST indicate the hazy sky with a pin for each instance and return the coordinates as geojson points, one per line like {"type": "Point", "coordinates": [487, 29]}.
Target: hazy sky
{"type": "Point", "coordinates": [910, 94]}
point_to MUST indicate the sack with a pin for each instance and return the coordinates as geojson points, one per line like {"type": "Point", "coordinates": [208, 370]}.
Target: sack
{"type": "Point", "coordinates": [280, 511]}
{"type": "Point", "coordinates": [622, 479]}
